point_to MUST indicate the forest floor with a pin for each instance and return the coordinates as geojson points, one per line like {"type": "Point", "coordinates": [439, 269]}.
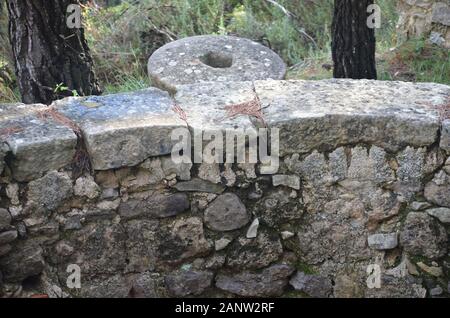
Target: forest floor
{"type": "Point", "coordinates": [122, 38]}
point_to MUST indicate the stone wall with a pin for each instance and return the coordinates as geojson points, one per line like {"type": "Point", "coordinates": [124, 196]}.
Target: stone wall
{"type": "Point", "coordinates": [425, 18]}
{"type": "Point", "coordinates": [364, 179]}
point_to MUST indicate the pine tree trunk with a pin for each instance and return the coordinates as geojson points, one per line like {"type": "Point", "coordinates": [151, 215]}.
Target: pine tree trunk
{"type": "Point", "coordinates": [47, 52]}
{"type": "Point", "coordinates": [353, 44]}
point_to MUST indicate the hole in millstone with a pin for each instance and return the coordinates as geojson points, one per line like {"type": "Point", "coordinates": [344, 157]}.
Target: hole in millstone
{"type": "Point", "coordinates": [217, 59]}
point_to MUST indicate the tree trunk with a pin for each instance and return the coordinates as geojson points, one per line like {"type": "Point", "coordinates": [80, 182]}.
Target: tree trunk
{"type": "Point", "coordinates": [47, 53]}
{"type": "Point", "coordinates": [353, 44]}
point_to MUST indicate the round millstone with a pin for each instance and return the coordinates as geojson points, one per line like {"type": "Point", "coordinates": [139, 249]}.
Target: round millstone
{"type": "Point", "coordinates": [213, 58]}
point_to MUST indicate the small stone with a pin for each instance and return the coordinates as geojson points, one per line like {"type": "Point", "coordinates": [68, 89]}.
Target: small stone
{"type": "Point", "coordinates": [8, 237]}
{"type": "Point", "coordinates": [51, 190]}
{"type": "Point", "coordinates": [64, 249]}
{"type": "Point", "coordinates": [420, 206]}
{"type": "Point", "coordinates": [181, 170]}
{"type": "Point", "coordinates": [188, 283]}
{"type": "Point", "coordinates": [109, 193]}
{"type": "Point", "coordinates": [24, 261]}
{"type": "Point", "coordinates": [226, 213]}
{"type": "Point", "coordinates": [12, 192]}
{"type": "Point", "coordinates": [437, 291]}
{"type": "Point", "coordinates": [86, 187]}
{"type": "Point", "coordinates": [253, 229]}
{"type": "Point", "coordinates": [5, 218]}
{"type": "Point", "coordinates": [288, 181]}
{"type": "Point", "coordinates": [424, 236]}
{"type": "Point", "coordinates": [198, 185]}
{"type": "Point", "coordinates": [383, 241]}
{"type": "Point", "coordinates": [221, 244]}
{"type": "Point", "coordinates": [314, 285]}
{"type": "Point", "coordinates": [271, 282]}
{"type": "Point", "coordinates": [209, 172]}
{"type": "Point", "coordinates": [442, 214]}
{"type": "Point", "coordinates": [285, 235]}
{"type": "Point", "coordinates": [437, 190]}
{"type": "Point", "coordinates": [5, 249]}
{"type": "Point", "coordinates": [432, 270]}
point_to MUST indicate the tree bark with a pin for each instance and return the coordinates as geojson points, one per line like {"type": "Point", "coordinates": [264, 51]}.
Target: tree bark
{"type": "Point", "coordinates": [47, 53]}
{"type": "Point", "coordinates": [353, 45]}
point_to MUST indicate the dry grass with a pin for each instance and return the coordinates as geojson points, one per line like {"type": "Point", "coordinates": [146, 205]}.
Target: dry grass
{"type": "Point", "coordinates": [181, 113]}
{"type": "Point", "coordinates": [251, 108]}
{"type": "Point", "coordinates": [8, 131]}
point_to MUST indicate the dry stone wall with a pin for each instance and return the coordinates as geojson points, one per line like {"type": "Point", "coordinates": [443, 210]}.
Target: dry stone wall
{"type": "Point", "coordinates": [363, 182]}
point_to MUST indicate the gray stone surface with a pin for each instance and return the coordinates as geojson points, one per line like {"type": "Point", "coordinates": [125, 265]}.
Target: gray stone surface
{"type": "Point", "coordinates": [124, 129]}
{"type": "Point", "coordinates": [226, 213]}
{"type": "Point", "coordinates": [438, 189]}
{"type": "Point", "coordinates": [285, 180]}
{"type": "Point", "coordinates": [24, 261]}
{"type": "Point", "coordinates": [3, 151]}
{"type": "Point", "coordinates": [324, 114]}
{"type": "Point", "coordinates": [5, 219]}
{"type": "Point", "coordinates": [445, 136]}
{"type": "Point", "coordinates": [441, 13]}
{"type": "Point", "coordinates": [156, 206]}
{"type": "Point", "coordinates": [442, 214]}
{"type": "Point", "coordinates": [188, 283]}
{"type": "Point", "coordinates": [86, 187]}
{"type": "Point", "coordinates": [423, 236]}
{"type": "Point", "coordinates": [37, 143]}
{"type": "Point", "coordinates": [270, 282]}
{"type": "Point", "coordinates": [314, 285]}
{"type": "Point", "coordinates": [383, 241]}
{"type": "Point", "coordinates": [199, 185]}
{"type": "Point", "coordinates": [7, 237]}
{"type": "Point", "coordinates": [50, 191]}
{"type": "Point", "coordinates": [212, 58]}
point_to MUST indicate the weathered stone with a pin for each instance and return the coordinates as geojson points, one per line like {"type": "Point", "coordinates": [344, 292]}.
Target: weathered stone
{"type": "Point", "coordinates": [335, 112]}
{"type": "Point", "coordinates": [271, 282]}
{"type": "Point", "coordinates": [441, 13]}
{"type": "Point", "coordinates": [347, 286]}
{"type": "Point", "coordinates": [285, 235]}
{"type": "Point", "coordinates": [420, 206]}
{"type": "Point", "coordinates": [51, 190]}
{"type": "Point", "coordinates": [288, 181]}
{"type": "Point", "coordinates": [183, 239]}
{"type": "Point", "coordinates": [226, 213]}
{"type": "Point", "coordinates": [5, 219]}
{"type": "Point", "coordinates": [188, 283]}
{"type": "Point", "coordinates": [182, 170]}
{"type": "Point", "coordinates": [86, 187]}
{"type": "Point", "coordinates": [105, 287]}
{"type": "Point", "coordinates": [212, 58]}
{"type": "Point", "coordinates": [5, 249]}
{"type": "Point", "coordinates": [8, 237]}
{"type": "Point", "coordinates": [442, 214]}
{"type": "Point", "coordinates": [383, 241]}
{"type": "Point", "coordinates": [12, 192]}
{"type": "Point", "coordinates": [370, 166]}
{"type": "Point", "coordinates": [147, 285]}
{"type": "Point", "coordinates": [432, 270]}
{"type": "Point", "coordinates": [437, 291]}
{"type": "Point", "coordinates": [198, 185]}
{"type": "Point", "coordinates": [438, 190]}
{"type": "Point", "coordinates": [3, 151]}
{"type": "Point", "coordinates": [124, 129]}
{"type": "Point", "coordinates": [141, 245]}
{"type": "Point", "coordinates": [38, 143]}
{"type": "Point", "coordinates": [255, 253]}
{"type": "Point", "coordinates": [252, 231]}
{"type": "Point", "coordinates": [221, 244]}
{"type": "Point", "coordinates": [314, 285]}
{"type": "Point", "coordinates": [423, 236]}
{"type": "Point", "coordinates": [24, 261]}
{"type": "Point", "coordinates": [209, 172]}
{"type": "Point", "coordinates": [161, 205]}
{"type": "Point", "coordinates": [445, 136]}
{"type": "Point", "coordinates": [397, 287]}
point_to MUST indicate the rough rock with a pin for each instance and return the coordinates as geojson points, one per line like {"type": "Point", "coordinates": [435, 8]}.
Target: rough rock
{"type": "Point", "coordinates": [255, 253]}
{"type": "Point", "coordinates": [7, 237]}
{"type": "Point", "coordinates": [183, 239]}
{"type": "Point", "coordinates": [438, 189]}
{"type": "Point", "coordinates": [141, 245]}
{"type": "Point", "coordinates": [86, 187]}
{"type": "Point", "coordinates": [252, 231]}
{"type": "Point", "coordinates": [271, 282]}
{"type": "Point", "coordinates": [50, 190]}
{"type": "Point", "coordinates": [37, 142]}
{"type": "Point", "coordinates": [3, 151]}
{"type": "Point", "coordinates": [423, 236]}
{"type": "Point", "coordinates": [160, 205]}
{"type": "Point", "coordinates": [188, 283]}
{"type": "Point", "coordinates": [111, 123]}
{"type": "Point", "coordinates": [212, 58]}
{"type": "Point", "coordinates": [198, 185]}
{"type": "Point", "coordinates": [182, 170]}
{"type": "Point", "coordinates": [445, 136]}
{"type": "Point", "coordinates": [24, 261]}
{"type": "Point", "coordinates": [420, 206]}
{"type": "Point", "coordinates": [5, 219]}
{"type": "Point", "coordinates": [221, 244]}
{"type": "Point", "coordinates": [226, 213]}
{"type": "Point", "coordinates": [441, 13]}
{"type": "Point", "coordinates": [326, 120]}
{"type": "Point", "coordinates": [442, 214]}
{"type": "Point", "coordinates": [105, 287]}
{"type": "Point", "coordinates": [314, 285]}
{"type": "Point", "coordinates": [432, 270]}
{"type": "Point", "coordinates": [288, 181]}
{"type": "Point", "coordinates": [383, 241]}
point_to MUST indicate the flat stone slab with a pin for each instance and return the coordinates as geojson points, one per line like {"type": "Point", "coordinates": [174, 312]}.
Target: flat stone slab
{"type": "Point", "coordinates": [124, 129]}
{"type": "Point", "coordinates": [213, 58]}
{"type": "Point", "coordinates": [37, 144]}
{"type": "Point", "coordinates": [325, 114]}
